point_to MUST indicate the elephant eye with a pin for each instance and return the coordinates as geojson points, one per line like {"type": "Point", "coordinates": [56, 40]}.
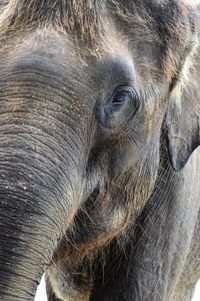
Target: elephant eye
{"type": "Point", "coordinates": [121, 97]}
{"type": "Point", "coordinates": [124, 95]}
{"type": "Point", "coordinates": [120, 107]}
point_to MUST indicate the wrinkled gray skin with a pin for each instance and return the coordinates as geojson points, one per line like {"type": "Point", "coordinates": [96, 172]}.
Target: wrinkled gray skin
{"type": "Point", "coordinates": [99, 165]}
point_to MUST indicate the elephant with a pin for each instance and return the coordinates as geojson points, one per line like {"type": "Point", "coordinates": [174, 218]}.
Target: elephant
{"type": "Point", "coordinates": [99, 157]}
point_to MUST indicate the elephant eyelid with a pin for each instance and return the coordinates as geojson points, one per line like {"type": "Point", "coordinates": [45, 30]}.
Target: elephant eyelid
{"type": "Point", "coordinates": [123, 91]}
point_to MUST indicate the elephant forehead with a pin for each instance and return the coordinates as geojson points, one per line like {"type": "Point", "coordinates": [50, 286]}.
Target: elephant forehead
{"type": "Point", "coordinates": [55, 55]}
{"type": "Point", "coordinates": [46, 49]}
{"type": "Point", "coordinates": [51, 62]}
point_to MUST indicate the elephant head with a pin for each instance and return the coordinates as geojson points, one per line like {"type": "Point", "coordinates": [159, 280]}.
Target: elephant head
{"type": "Point", "coordinates": [87, 90]}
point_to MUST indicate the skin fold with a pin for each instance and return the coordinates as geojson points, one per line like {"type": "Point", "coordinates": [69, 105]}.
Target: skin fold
{"type": "Point", "coordinates": [99, 157]}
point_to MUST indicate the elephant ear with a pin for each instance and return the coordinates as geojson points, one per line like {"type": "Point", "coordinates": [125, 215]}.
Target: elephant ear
{"type": "Point", "coordinates": [183, 116]}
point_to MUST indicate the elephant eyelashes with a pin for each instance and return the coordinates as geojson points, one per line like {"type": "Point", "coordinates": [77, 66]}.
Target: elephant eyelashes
{"type": "Point", "coordinates": [121, 97]}
{"type": "Point", "coordinates": [120, 106]}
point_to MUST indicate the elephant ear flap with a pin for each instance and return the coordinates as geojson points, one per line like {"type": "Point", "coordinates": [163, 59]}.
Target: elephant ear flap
{"type": "Point", "coordinates": [183, 125]}
{"type": "Point", "coordinates": [183, 115]}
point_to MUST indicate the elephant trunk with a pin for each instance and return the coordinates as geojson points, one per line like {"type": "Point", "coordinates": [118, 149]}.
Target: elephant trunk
{"type": "Point", "coordinates": [45, 141]}
{"type": "Point", "coordinates": [36, 208]}
{"type": "Point", "coordinates": [43, 160]}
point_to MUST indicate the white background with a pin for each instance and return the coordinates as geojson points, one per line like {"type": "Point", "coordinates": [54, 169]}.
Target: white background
{"type": "Point", "coordinates": [41, 292]}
